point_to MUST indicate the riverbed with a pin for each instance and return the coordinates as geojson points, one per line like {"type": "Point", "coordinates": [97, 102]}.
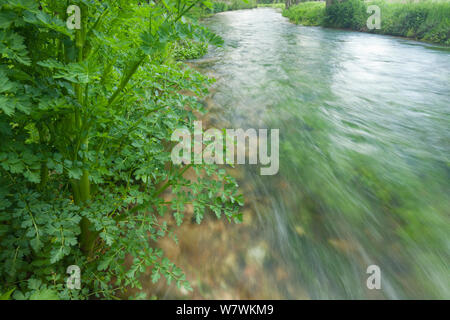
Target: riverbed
{"type": "Point", "coordinates": [364, 165]}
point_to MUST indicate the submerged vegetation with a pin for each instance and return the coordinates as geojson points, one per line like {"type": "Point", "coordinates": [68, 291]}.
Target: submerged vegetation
{"type": "Point", "coordinates": [427, 21]}
{"type": "Point", "coordinates": [86, 117]}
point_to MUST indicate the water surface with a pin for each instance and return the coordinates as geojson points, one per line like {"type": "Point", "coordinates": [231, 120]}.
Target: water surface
{"type": "Point", "coordinates": [364, 156]}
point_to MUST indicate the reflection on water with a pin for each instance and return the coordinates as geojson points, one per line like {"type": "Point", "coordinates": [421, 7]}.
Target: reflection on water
{"type": "Point", "coordinates": [364, 161]}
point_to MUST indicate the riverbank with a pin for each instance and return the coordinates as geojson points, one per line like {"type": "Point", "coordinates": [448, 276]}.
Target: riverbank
{"type": "Point", "coordinates": [222, 6]}
{"type": "Point", "coordinates": [272, 5]}
{"type": "Point", "coordinates": [191, 49]}
{"type": "Point", "coordinates": [425, 21]}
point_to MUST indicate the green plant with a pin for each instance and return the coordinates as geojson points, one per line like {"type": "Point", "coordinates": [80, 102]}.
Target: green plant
{"type": "Point", "coordinates": [6, 295]}
{"type": "Point", "coordinates": [184, 50]}
{"type": "Point", "coordinates": [350, 14]}
{"type": "Point", "coordinates": [85, 121]}
{"type": "Point", "coordinates": [265, 2]}
{"type": "Point", "coordinates": [272, 5]}
{"type": "Point", "coordinates": [427, 20]}
{"type": "Point", "coordinates": [306, 13]}
{"type": "Point", "coordinates": [241, 4]}
{"type": "Point", "coordinates": [219, 6]}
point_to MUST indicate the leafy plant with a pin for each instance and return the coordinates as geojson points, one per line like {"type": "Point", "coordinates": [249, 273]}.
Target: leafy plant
{"type": "Point", "coordinates": [242, 4]}
{"type": "Point", "coordinates": [427, 20]}
{"type": "Point", "coordinates": [184, 50]}
{"type": "Point", "coordinates": [85, 121]}
{"type": "Point", "coordinates": [350, 14]}
{"type": "Point", "coordinates": [307, 13]}
{"type": "Point", "coordinates": [6, 295]}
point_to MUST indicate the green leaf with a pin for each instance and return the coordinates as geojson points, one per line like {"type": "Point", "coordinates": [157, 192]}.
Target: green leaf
{"type": "Point", "coordinates": [75, 173]}
{"type": "Point", "coordinates": [155, 275]}
{"type": "Point", "coordinates": [7, 295]}
{"type": "Point", "coordinates": [6, 19]}
{"type": "Point", "coordinates": [12, 46]}
{"type": "Point", "coordinates": [30, 5]}
{"type": "Point", "coordinates": [42, 19]}
{"type": "Point", "coordinates": [6, 105]}
{"type": "Point", "coordinates": [44, 294]}
{"type": "Point", "coordinates": [52, 64]}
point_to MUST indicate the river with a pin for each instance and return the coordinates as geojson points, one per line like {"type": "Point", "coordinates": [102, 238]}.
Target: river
{"type": "Point", "coordinates": [364, 163]}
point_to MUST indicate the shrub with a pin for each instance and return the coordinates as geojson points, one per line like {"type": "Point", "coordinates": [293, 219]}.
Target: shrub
{"type": "Point", "coordinates": [350, 14]}
{"type": "Point", "coordinates": [306, 13]}
{"type": "Point", "coordinates": [273, 5]}
{"type": "Point", "coordinates": [241, 4]}
{"type": "Point", "coordinates": [219, 7]}
{"type": "Point", "coordinates": [429, 21]}
{"type": "Point", "coordinates": [86, 118]}
{"type": "Point", "coordinates": [185, 49]}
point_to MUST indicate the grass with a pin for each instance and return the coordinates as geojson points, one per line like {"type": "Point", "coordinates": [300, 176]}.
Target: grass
{"type": "Point", "coordinates": [272, 5]}
{"type": "Point", "coordinates": [306, 13]}
{"type": "Point", "coordinates": [427, 20]}
{"type": "Point", "coordinates": [202, 11]}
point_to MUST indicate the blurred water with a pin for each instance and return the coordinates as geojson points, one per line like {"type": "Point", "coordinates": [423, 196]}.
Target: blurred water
{"type": "Point", "coordinates": [364, 152]}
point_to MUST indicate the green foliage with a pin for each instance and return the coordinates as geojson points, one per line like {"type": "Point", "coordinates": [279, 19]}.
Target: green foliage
{"type": "Point", "coordinates": [184, 50]}
{"type": "Point", "coordinates": [266, 2]}
{"type": "Point", "coordinates": [6, 295]}
{"type": "Point", "coordinates": [429, 21]}
{"type": "Point", "coordinates": [202, 11]}
{"type": "Point", "coordinates": [222, 6]}
{"type": "Point", "coordinates": [242, 4]}
{"type": "Point", "coordinates": [350, 14]}
{"type": "Point", "coordinates": [86, 118]}
{"type": "Point", "coordinates": [219, 6]}
{"type": "Point", "coordinates": [306, 13]}
{"type": "Point", "coordinates": [272, 5]}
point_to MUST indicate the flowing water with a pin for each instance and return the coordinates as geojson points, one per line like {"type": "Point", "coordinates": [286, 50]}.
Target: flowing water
{"type": "Point", "coordinates": [364, 155]}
